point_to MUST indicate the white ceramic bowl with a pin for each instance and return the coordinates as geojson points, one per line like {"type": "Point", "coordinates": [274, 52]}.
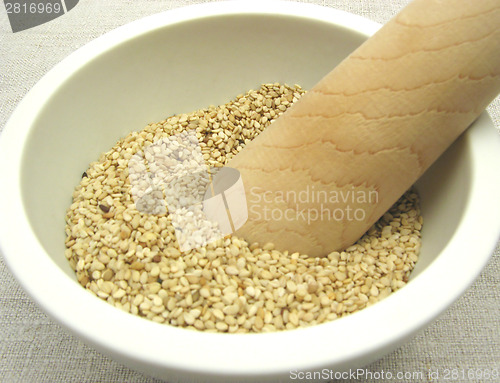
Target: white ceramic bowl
{"type": "Point", "coordinates": [183, 60]}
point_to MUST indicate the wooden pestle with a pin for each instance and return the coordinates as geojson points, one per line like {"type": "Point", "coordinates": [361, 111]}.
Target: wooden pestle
{"type": "Point", "coordinates": [369, 129]}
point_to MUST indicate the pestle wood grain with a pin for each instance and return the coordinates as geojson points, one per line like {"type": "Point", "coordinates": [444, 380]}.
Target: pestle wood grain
{"type": "Point", "coordinates": [329, 167]}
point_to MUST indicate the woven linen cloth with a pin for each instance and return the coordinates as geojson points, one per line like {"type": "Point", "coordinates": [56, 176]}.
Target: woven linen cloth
{"type": "Point", "coordinates": [33, 348]}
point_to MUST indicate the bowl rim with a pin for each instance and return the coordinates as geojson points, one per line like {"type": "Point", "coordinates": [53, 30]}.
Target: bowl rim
{"type": "Point", "coordinates": [396, 318]}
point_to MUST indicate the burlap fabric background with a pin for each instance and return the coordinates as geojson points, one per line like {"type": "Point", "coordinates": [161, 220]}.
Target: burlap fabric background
{"type": "Point", "coordinates": [35, 349]}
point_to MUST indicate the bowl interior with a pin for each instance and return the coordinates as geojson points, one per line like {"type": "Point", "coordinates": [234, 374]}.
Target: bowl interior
{"type": "Point", "coordinates": [183, 67]}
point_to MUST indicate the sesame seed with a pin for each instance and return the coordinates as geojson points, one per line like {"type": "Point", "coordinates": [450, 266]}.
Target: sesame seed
{"type": "Point", "coordinates": [132, 259]}
{"type": "Point", "coordinates": [232, 270]}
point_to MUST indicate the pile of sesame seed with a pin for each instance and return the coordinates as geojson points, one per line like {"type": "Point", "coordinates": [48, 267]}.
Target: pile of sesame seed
{"type": "Point", "coordinates": [132, 260]}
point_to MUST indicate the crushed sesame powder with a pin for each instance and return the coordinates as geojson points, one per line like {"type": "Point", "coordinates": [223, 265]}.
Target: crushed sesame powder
{"type": "Point", "coordinates": [132, 259]}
